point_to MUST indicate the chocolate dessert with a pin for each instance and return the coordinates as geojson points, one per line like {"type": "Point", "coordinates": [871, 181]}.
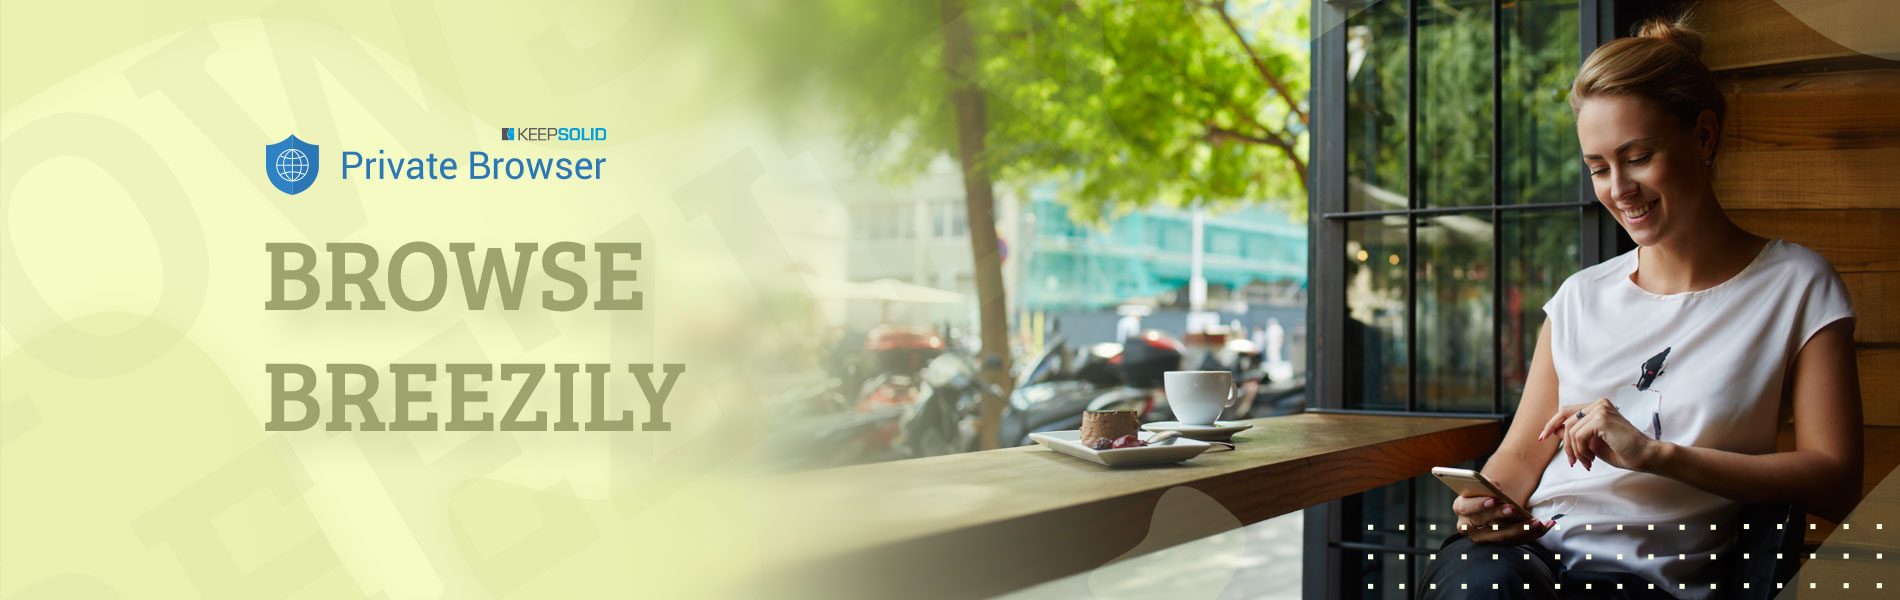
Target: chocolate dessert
{"type": "Point", "coordinates": [1100, 428]}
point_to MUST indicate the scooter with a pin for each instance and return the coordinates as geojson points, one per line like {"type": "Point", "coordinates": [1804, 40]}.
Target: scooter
{"type": "Point", "coordinates": [901, 353]}
{"type": "Point", "coordinates": [816, 427]}
{"type": "Point", "coordinates": [944, 418]}
{"type": "Point", "coordinates": [1260, 395]}
{"type": "Point", "coordinates": [1126, 376]}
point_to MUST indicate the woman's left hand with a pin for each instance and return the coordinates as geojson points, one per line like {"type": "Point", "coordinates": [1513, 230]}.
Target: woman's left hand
{"type": "Point", "coordinates": [1597, 430]}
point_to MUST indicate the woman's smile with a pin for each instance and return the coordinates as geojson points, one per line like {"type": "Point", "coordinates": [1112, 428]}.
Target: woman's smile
{"type": "Point", "coordinates": [1638, 214]}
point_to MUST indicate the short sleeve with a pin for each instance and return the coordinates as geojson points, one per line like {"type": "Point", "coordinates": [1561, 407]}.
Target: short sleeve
{"type": "Point", "coordinates": [1559, 300]}
{"type": "Point", "coordinates": [1824, 301]}
{"type": "Point", "coordinates": [1558, 314]}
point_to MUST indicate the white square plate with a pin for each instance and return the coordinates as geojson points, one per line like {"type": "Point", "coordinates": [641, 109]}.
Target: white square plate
{"type": "Point", "coordinates": [1069, 442]}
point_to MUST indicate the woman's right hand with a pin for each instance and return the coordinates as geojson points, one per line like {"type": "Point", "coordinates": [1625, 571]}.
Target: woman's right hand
{"type": "Point", "coordinates": [1477, 514]}
{"type": "Point", "coordinates": [1518, 465]}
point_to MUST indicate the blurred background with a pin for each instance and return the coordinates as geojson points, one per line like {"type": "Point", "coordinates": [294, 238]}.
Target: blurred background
{"type": "Point", "coordinates": [1136, 177]}
{"type": "Point", "coordinates": [876, 230]}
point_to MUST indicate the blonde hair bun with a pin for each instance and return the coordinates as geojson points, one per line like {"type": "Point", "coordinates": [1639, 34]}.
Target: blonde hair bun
{"type": "Point", "coordinates": [1675, 30]}
{"type": "Point", "coordinates": [1661, 64]}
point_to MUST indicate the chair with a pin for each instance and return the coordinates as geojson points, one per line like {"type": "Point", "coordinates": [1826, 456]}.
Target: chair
{"type": "Point", "coordinates": [1761, 541]}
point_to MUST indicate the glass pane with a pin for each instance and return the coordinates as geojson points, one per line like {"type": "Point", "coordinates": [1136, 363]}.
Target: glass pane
{"type": "Point", "coordinates": [1436, 523]}
{"type": "Point", "coordinates": [1374, 517]}
{"type": "Point", "coordinates": [1376, 108]}
{"type": "Point", "coordinates": [1454, 103]}
{"type": "Point", "coordinates": [1540, 250]}
{"type": "Point", "coordinates": [1454, 313]}
{"type": "Point", "coordinates": [1384, 572]}
{"type": "Point", "coordinates": [1540, 133]}
{"type": "Point", "coordinates": [1375, 369]}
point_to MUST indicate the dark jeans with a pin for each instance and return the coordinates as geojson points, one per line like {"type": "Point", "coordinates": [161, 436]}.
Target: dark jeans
{"type": "Point", "coordinates": [1510, 571]}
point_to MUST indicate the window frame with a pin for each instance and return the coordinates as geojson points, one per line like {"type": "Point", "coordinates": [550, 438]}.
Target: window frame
{"type": "Point", "coordinates": [1599, 238]}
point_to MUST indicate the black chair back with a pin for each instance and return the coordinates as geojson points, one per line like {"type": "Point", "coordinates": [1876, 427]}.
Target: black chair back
{"type": "Point", "coordinates": [1773, 553]}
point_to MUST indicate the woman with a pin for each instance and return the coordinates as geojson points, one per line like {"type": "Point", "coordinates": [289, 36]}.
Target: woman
{"type": "Point", "coordinates": [1661, 376]}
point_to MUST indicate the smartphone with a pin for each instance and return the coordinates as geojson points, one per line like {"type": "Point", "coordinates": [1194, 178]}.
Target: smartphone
{"type": "Point", "coordinates": [1472, 483]}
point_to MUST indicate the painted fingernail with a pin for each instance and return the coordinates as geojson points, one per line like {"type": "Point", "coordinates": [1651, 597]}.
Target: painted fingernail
{"type": "Point", "coordinates": [1488, 502]}
{"type": "Point", "coordinates": [1507, 511]}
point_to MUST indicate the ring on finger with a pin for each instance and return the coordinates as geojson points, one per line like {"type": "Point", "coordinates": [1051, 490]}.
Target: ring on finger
{"type": "Point", "coordinates": [1579, 415]}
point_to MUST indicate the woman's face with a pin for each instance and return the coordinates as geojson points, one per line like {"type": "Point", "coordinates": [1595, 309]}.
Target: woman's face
{"type": "Point", "coordinates": [1646, 168]}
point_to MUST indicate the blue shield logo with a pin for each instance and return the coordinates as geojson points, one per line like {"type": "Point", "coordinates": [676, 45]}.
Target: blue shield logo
{"type": "Point", "coordinates": [291, 165]}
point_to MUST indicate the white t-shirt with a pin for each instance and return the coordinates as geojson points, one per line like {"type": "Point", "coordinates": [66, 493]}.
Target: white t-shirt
{"type": "Point", "coordinates": [1703, 369]}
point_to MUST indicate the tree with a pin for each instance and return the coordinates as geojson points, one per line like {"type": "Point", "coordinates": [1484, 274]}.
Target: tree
{"type": "Point", "coordinates": [1132, 103]}
{"type": "Point", "coordinates": [1126, 103]}
{"type": "Point", "coordinates": [979, 190]}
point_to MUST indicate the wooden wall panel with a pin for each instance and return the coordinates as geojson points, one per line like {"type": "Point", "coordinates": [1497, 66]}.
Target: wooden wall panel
{"type": "Point", "coordinates": [1882, 447]}
{"type": "Point", "coordinates": [1879, 385]}
{"type": "Point", "coordinates": [1882, 457]}
{"type": "Point", "coordinates": [1876, 298]}
{"type": "Point", "coordinates": [1787, 178]}
{"type": "Point", "coordinates": [1754, 33]}
{"type": "Point", "coordinates": [1853, 240]}
{"type": "Point", "coordinates": [1811, 154]}
{"type": "Point", "coordinates": [1814, 140]}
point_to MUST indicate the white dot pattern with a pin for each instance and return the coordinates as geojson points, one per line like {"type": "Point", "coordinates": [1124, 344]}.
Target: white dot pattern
{"type": "Point", "coordinates": [1879, 556]}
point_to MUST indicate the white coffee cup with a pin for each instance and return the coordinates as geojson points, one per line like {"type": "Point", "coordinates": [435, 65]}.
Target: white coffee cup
{"type": "Point", "coordinates": [1198, 397]}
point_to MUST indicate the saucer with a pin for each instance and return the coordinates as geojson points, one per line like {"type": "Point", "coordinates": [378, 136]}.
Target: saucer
{"type": "Point", "coordinates": [1068, 442]}
{"type": "Point", "coordinates": [1220, 430]}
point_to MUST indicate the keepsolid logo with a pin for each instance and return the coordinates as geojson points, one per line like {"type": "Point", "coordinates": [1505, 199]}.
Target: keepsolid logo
{"type": "Point", "coordinates": [554, 134]}
{"type": "Point", "coordinates": [291, 165]}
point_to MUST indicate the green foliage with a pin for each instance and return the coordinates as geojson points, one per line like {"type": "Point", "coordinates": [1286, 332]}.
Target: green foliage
{"type": "Point", "coordinates": [1123, 103]}
{"type": "Point", "coordinates": [1454, 121]}
{"type": "Point", "coordinates": [1128, 103]}
{"type": "Point", "coordinates": [1455, 154]}
{"type": "Point", "coordinates": [1377, 106]}
{"type": "Point", "coordinates": [870, 70]}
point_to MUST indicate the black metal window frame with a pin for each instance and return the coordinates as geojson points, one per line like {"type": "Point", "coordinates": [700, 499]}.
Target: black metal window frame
{"type": "Point", "coordinates": [1599, 238]}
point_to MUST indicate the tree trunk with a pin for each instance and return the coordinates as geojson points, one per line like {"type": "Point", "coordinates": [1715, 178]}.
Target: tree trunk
{"type": "Point", "coordinates": [959, 58]}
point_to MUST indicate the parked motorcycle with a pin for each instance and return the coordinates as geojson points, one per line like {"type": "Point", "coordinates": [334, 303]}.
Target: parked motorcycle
{"type": "Point", "coordinates": [1260, 395]}
{"type": "Point", "coordinates": [1052, 397]}
{"type": "Point", "coordinates": [1124, 376]}
{"type": "Point", "coordinates": [900, 353]}
{"type": "Point", "coordinates": [816, 427]}
{"type": "Point", "coordinates": [944, 418]}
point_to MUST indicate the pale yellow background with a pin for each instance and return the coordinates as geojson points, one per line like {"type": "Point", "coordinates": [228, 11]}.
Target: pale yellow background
{"type": "Point", "coordinates": [133, 457]}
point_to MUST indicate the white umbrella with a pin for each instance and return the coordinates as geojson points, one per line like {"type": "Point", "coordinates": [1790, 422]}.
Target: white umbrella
{"type": "Point", "coordinates": [885, 291]}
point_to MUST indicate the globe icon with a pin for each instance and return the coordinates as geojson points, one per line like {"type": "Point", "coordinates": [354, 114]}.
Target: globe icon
{"type": "Point", "coordinates": [292, 165]}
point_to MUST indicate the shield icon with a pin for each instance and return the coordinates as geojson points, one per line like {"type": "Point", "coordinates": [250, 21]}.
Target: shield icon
{"type": "Point", "coordinates": [291, 165]}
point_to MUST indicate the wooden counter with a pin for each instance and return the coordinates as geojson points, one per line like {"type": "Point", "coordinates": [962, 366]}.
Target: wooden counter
{"type": "Point", "coordinates": [985, 523]}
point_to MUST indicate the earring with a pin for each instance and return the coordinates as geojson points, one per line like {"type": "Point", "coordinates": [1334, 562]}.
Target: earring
{"type": "Point", "coordinates": [1708, 161]}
